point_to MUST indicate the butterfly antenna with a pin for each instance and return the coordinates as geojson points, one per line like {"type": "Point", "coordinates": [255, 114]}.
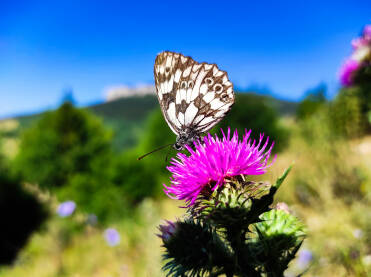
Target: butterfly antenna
{"type": "Point", "coordinates": [157, 149]}
{"type": "Point", "coordinates": [167, 155]}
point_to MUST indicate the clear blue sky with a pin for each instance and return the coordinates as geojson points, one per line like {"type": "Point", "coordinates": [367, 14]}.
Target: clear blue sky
{"type": "Point", "coordinates": [287, 46]}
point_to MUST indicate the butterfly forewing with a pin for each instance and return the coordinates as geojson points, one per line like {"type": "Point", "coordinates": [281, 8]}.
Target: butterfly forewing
{"type": "Point", "coordinates": [193, 96]}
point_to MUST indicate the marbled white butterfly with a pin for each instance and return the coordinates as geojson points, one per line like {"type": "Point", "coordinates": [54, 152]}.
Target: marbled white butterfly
{"type": "Point", "coordinates": [193, 96]}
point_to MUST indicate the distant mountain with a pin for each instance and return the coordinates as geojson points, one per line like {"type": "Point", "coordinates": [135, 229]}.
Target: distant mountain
{"type": "Point", "coordinates": [127, 116]}
{"type": "Point", "coordinates": [116, 92]}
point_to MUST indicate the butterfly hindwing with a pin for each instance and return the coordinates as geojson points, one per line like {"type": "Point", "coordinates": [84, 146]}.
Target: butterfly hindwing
{"type": "Point", "coordinates": [193, 96]}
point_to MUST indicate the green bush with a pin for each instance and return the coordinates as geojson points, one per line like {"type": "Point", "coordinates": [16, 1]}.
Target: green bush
{"type": "Point", "coordinates": [253, 112]}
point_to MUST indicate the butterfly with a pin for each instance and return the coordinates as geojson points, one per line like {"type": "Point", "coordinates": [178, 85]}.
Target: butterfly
{"type": "Point", "coordinates": [193, 96]}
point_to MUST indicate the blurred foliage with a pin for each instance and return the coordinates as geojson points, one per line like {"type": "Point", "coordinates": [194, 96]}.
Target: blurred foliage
{"type": "Point", "coordinates": [362, 78]}
{"type": "Point", "coordinates": [313, 101]}
{"type": "Point", "coordinates": [348, 113]}
{"type": "Point", "coordinates": [252, 112]}
{"type": "Point", "coordinates": [68, 151]}
{"type": "Point", "coordinates": [144, 178]}
{"type": "Point", "coordinates": [127, 117]}
{"type": "Point", "coordinates": [62, 144]}
{"type": "Point", "coordinates": [21, 214]}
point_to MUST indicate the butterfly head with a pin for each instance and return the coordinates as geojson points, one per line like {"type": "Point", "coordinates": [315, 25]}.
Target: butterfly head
{"type": "Point", "coordinates": [186, 137]}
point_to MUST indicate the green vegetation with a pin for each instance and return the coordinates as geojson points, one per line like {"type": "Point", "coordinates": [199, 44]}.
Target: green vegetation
{"type": "Point", "coordinates": [76, 157]}
{"type": "Point", "coordinates": [62, 144]}
{"type": "Point", "coordinates": [349, 112]}
{"type": "Point", "coordinates": [68, 152]}
{"type": "Point", "coordinates": [311, 104]}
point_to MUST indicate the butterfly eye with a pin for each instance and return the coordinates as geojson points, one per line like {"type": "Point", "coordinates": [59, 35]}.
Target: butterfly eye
{"type": "Point", "coordinates": [218, 88]}
{"type": "Point", "coordinates": [183, 84]}
{"type": "Point", "coordinates": [190, 84]}
{"type": "Point", "coordinates": [209, 81]}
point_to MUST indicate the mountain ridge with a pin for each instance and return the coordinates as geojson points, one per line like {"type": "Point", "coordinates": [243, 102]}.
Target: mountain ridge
{"type": "Point", "coordinates": [127, 116]}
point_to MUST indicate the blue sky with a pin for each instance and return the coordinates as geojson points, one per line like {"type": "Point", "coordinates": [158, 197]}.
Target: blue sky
{"type": "Point", "coordinates": [287, 46]}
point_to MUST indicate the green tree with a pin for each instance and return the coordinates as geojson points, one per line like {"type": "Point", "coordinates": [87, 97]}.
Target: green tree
{"type": "Point", "coordinates": [61, 144]}
{"type": "Point", "coordinates": [68, 151]}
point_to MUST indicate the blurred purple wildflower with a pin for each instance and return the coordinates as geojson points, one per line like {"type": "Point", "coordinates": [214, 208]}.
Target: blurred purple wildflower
{"type": "Point", "coordinates": [112, 236]}
{"type": "Point", "coordinates": [367, 33]}
{"type": "Point", "coordinates": [66, 208]}
{"type": "Point", "coordinates": [304, 259]}
{"type": "Point", "coordinates": [358, 43]}
{"type": "Point", "coordinates": [167, 230]}
{"type": "Point", "coordinates": [364, 40]}
{"type": "Point", "coordinates": [214, 161]}
{"type": "Point", "coordinates": [347, 71]}
{"type": "Point", "coordinates": [282, 206]}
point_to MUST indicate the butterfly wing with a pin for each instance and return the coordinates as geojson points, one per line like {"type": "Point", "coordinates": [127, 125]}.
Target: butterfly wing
{"type": "Point", "coordinates": [192, 95]}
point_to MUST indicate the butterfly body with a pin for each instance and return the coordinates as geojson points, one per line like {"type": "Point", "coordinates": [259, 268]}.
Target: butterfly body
{"type": "Point", "coordinates": [187, 136]}
{"type": "Point", "coordinates": [193, 96]}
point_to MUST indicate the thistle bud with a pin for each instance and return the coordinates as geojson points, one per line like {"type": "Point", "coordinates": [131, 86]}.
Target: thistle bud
{"type": "Point", "coordinates": [167, 230]}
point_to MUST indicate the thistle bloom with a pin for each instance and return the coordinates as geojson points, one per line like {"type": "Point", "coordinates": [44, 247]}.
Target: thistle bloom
{"type": "Point", "coordinates": [213, 162]}
{"type": "Point", "coordinates": [66, 208]}
{"type": "Point", "coordinates": [347, 71]}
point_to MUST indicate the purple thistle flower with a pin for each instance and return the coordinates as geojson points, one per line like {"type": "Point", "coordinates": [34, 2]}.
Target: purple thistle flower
{"type": "Point", "coordinates": [66, 208]}
{"type": "Point", "coordinates": [112, 236]}
{"type": "Point", "coordinates": [213, 162]}
{"type": "Point", "coordinates": [167, 230]}
{"type": "Point", "coordinates": [347, 71]}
